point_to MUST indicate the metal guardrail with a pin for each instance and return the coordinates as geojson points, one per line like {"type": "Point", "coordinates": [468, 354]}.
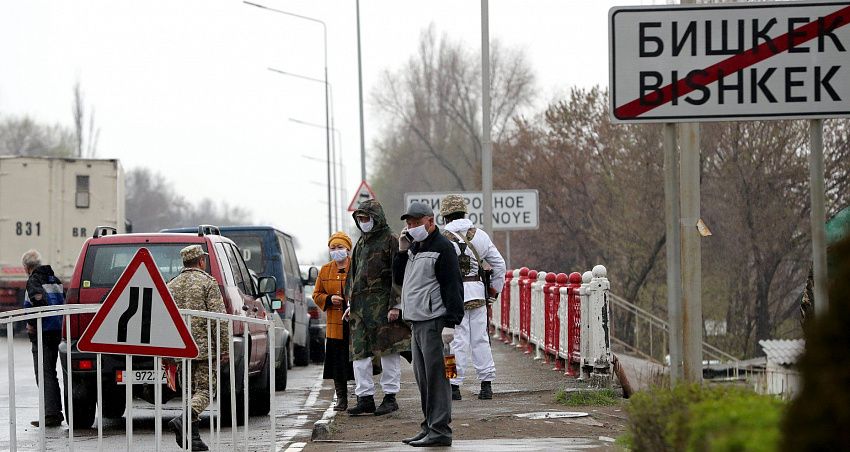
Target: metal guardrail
{"type": "Point", "coordinates": [709, 351]}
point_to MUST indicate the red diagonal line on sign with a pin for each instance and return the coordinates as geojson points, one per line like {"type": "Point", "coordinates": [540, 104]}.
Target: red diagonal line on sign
{"type": "Point", "coordinates": [734, 64]}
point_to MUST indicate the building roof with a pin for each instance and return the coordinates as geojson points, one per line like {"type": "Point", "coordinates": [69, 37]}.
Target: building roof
{"type": "Point", "coordinates": [782, 351]}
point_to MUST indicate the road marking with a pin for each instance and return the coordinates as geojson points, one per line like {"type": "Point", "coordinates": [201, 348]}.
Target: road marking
{"type": "Point", "coordinates": [290, 433]}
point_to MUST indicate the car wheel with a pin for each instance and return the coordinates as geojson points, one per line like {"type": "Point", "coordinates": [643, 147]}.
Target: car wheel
{"type": "Point", "coordinates": [317, 350]}
{"type": "Point", "coordinates": [114, 401]}
{"type": "Point", "coordinates": [302, 354]}
{"type": "Point", "coordinates": [224, 403]}
{"type": "Point", "coordinates": [259, 400]}
{"type": "Point", "coordinates": [281, 371]}
{"type": "Point", "coordinates": [85, 402]}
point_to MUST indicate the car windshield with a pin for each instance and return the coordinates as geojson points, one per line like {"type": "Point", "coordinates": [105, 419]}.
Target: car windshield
{"type": "Point", "coordinates": [251, 246]}
{"type": "Point", "coordinates": [105, 263]}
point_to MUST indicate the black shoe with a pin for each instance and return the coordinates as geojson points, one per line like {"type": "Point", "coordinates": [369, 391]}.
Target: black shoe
{"type": "Point", "coordinates": [419, 436]}
{"type": "Point", "coordinates": [365, 405]}
{"type": "Point", "coordinates": [486, 391]}
{"type": "Point", "coordinates": [388, 405]}
{"type": "Point", "coordinates": [53, 420]}
{"type": "Point", "coordinates": [456, 392]}
{"type": "Point", "coordinates": [432, 442]}
{"type": "Point", "coordinates": [341, 402]}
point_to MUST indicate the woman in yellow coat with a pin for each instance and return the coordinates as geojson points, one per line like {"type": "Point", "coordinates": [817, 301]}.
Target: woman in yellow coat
{"type": "Point", "coordinates": [328, 296]}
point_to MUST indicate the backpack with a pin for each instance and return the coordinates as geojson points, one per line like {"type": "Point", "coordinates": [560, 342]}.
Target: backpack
{"type": "Point", "coordinates": [485, 270]}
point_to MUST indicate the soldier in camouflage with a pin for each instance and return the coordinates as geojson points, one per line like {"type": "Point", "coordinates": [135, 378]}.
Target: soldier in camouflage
{"type": "Point", "coordinates": [374, 311]}
{"type": "Point", "coordinates": [194, 288]}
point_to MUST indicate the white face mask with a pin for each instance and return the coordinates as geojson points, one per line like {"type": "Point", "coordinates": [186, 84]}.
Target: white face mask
{"type": "Point", "coordinates": [366, 226]}
{"type": "Point", "coordinates": [339, 255]}
{"type": "Point", "coordinates": [419, 233]}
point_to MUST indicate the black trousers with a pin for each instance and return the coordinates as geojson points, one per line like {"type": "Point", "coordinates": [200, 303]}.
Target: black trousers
{"type": "Point", "coordinates": [50, 342]}
{"type": "Point", "coordinates": [435, 391]}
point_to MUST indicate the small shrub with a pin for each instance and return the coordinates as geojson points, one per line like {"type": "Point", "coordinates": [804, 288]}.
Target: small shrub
{"type": "Point", "coordinates": [744, 422]}
{"type": "Point", "coordinates": [588, 397]}
{"type": "Point", "coordinates": [666, 419]}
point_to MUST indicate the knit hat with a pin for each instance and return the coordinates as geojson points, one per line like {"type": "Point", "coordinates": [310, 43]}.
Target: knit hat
{"type": "Point", "coordinates": [340, 238]}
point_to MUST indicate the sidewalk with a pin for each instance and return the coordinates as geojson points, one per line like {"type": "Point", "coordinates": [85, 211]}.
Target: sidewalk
{"type": "Point", "coordinates": [522, 385]}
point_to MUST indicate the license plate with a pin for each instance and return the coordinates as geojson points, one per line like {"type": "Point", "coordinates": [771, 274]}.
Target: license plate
{"type": "Point", "coordinates": [139, 377]}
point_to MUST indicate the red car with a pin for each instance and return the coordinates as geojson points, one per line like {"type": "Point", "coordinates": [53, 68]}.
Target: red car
{"type": "Point", "coordinates": [102, 260]}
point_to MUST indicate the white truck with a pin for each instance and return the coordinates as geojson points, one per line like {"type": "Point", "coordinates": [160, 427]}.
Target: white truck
{"type": "Point", "coordinates": [52, 205]}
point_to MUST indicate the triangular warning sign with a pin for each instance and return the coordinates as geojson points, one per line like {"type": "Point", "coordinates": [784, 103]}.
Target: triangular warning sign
{"type": "Point", "coordinates": [364, 192]}
{"type": "Point", "coordinates": [139, 317]}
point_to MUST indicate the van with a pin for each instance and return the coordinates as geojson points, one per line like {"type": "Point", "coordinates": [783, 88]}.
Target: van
{"type": "Point", "coordinates": [271, 252]}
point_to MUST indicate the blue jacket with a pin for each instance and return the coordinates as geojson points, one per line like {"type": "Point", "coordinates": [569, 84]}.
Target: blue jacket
{"type": "Point", "coordinates": [45, 289]}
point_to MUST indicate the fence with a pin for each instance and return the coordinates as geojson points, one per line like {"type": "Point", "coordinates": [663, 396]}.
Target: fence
{"type": "Point", "coordinates": [573, 321]}
{"type": "Point", "coordinates": [214, 323]}
{"type": "Point", "coordinates": [541, 313]}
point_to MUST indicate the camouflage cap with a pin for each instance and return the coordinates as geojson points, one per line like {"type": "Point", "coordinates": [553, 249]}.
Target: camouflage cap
{"type": "Point", "coordinates": [192, 252]}
{"type": "Point", "coordinates": [452, 204]}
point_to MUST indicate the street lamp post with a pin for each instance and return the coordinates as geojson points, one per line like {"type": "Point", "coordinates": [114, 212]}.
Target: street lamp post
{"type": "Point", "coordinates": [332, 127]}
{"type": "Point", "coordinates": [327, 108]}
{"type": "Point", "coordinates": [338, 190]}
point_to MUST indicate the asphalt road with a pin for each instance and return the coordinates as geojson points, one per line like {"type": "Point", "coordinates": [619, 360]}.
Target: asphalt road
{"type": "Point", "coordinates": [304, 401]}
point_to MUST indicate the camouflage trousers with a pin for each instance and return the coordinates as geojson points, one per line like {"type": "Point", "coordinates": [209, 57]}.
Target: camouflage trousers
{"type": "Point", "coordinates": [200, 387]}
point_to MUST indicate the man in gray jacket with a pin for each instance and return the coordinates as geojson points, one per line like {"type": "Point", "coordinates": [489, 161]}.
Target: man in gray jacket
{"type": "Point", "coordinates": [426, 266]}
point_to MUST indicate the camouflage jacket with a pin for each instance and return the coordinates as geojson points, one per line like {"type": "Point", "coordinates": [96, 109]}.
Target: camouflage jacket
{"type": "Point", "coordinates": [370, 292]}
{"type": "Point", "coordinates": [195, 289]}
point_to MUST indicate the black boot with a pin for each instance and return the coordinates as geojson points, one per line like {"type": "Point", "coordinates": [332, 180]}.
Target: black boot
{"type": "Point", "coordinates": [456, 392]}
{"type": "Point", "coordinates": [365, 405]}
{"type": "Point", "coordinates": [176, 426]}
{"type": "Point", "coordinates": [388, 405]}
{"type": "Point", "coordinates": [197, 442]}
{"type": "Point", "coordinates": [486, 391]}
{"type": "Point", "coordinates": [341, 395]}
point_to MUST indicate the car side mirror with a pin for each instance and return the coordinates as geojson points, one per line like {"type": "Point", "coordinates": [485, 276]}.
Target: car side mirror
{"type": "Point", "coordinates": [276, 304]}
{"type": "Point", "coordinates": [267, 285]}
{"type": "Point", "coordinates": [312, 275]}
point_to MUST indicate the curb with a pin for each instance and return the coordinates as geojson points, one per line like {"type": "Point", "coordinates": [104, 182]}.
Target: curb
{"type": "Point", "coordinates": [322, 427]}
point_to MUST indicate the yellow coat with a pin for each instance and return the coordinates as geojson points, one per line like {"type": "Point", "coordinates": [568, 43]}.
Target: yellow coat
{"type": "Point", "coordinates": [330, 282]}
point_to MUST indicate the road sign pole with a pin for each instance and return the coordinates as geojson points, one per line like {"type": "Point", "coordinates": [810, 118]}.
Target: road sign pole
{"type": "Point", "coordinates": [486, 149]}
{"type": "Point", "coordinates": [508, 249]}
{"type": "Point", "coordinates": [674, 251]}
{"type": "Point", "coordinates": [689, 183]}
{"type": "Point", "coordinates": [816, 182]}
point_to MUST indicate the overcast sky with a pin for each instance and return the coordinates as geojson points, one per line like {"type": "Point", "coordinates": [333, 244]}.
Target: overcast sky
{"type": "Point", "coordinates": [182, 86]}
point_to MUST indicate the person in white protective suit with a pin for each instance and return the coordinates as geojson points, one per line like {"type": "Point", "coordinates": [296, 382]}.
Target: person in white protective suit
{"type": "Point", "coordinates": [483, 270]}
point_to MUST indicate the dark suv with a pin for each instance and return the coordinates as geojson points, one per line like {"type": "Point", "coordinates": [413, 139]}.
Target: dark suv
{"type": "Point", "coordinates": [102, 260]}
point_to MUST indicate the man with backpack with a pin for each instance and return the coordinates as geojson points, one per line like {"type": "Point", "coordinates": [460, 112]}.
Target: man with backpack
{"type": "Point", "coordinates": [45, 289]}
{"type": "Point", "coordinates": [483, 270]}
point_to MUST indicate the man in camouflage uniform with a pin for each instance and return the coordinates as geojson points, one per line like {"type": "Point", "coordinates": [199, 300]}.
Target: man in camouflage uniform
{"type": "Point", "coordinates": [194, 288]}
{"type": "Point", "coordinates": [374, 311]}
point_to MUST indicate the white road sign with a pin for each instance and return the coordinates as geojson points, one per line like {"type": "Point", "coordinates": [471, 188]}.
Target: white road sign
{"type": "Point", "coordinates": [765, 60]}
{"type": "Point", "coordinates": [512, 209]}
{"type": "Point", "coordinates": [364, 192]}
{"type": "Point", "coordinates": [139, 317]}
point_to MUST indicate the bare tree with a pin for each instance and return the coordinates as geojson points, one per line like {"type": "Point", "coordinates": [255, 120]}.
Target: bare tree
{"type": "Point", "coordinates": [25, 136]}
{"type": "Point", "coordinates": [85, 140]}
{"type": "Point", "coordinates": [432, 140]}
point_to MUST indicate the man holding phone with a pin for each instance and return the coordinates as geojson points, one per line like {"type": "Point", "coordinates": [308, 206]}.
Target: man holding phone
{"type": "Point", "coordinates": [426, 267]}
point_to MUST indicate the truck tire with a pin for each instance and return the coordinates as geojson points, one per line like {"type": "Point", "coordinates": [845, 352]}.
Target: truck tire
{"type": "Point", "coordinates": [280, 373]}
{"type": "Point", "coordinates": [85, 401]}
{"type": "Point", "coordinates": [302, 354]}
{"type": "Point", "coordinates": [259, 402]}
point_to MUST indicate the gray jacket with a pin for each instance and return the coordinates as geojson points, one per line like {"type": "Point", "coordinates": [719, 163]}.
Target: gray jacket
{"type": "Point", "coordinates": [431, 285]}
